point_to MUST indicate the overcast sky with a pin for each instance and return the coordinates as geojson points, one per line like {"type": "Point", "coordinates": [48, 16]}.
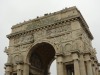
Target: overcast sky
{"type": "Point", "coordinates": [16, 11]}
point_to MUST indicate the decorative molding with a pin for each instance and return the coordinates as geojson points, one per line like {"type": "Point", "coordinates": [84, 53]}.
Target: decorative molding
{"type": "Point", "coordinates": [56, 24]}
{"type": "Point", "coordinates": [8, 64]}
{"type": "Point", "coordinates": [45, 16]}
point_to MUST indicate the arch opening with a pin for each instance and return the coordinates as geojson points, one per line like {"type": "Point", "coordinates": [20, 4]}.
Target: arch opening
{"type": "Point", "coordinates": [53, 70]}
{"type": "Point", "coordinates": [40, 58]}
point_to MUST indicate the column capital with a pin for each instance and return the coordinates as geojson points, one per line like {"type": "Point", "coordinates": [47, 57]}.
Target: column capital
{"type": "Point", "coordinates": [75, 56]}
{"type": "Point", "coordinates": [81, 53]}
{"type": "Point", "coordinates": [8, 65]}
{"type": "Point", "coordinates": [75, 51]}
{"type": "Point", "coordinates": [27, 63]}
{"type": "Point", "coordinates": [59, 54]}
{"type": "Point", "coordinates": [93, 64]}
{"type": "Point", "coordinates": [19, 62]}
{"type": "Point", "coordinates": [59, 57]}
{"type": "Point", "coordinates": [19, 65]}
{"type": "Point", "coordinates": [99, 64]}
{"type": "Point", "coordinates": [87, 53]}
{"type": "Point", "coordinates": [87, 57]}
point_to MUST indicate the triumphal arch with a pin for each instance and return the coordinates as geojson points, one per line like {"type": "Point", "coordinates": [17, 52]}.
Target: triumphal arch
{"type": "Point", "coordinates": [63, 36]}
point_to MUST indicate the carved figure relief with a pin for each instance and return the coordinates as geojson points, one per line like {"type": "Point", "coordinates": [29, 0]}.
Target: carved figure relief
{"type": "Point", "coordinates": [18, 58]}
{"type": "Point", "coordinates": [23, 39]}
{"type": "Point", "coordinates": [25, 47]}
{"type": "Point", "coordinates": [67, 37]}
{"type": "Point", "coordinates": [27, 38]}
{"type": "Point", "coordinates": [58, 30]}
{"type": "Point", "coordinates": [67, 49]}
{"type": "Point", "coordinates": [17, 48]}
{"type": "Point", "coordinates": [16, 40]}
{"type": "Point", "coordinates": [78, 45]}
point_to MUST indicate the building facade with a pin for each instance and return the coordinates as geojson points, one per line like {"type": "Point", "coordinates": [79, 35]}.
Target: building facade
{"type": "Point", "coordinates": [63, 36]}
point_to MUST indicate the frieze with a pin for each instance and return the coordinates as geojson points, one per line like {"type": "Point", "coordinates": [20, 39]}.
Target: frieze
{"type": "Point", "coordinates": [41, 23]}
{"type": "Point", "coordinates": [39, 34]}
{"type": "Point", "coordinates": [24, 39]}
{"type": "Point", "coordinates": [59, 22]}
{"type": "Point", "coordinates": [17, 49]}
{"type": "Point", "coordinates": [25, 47]}
{"type": "Point", "coordinates": [22, 47]}
{"type": "Point", "coordinates": [45, 16]}
{"type": "Point", "coordinates": [59, 31]}
{"type": "Point", "coordinates": [67, 49]}
{"type": "Point", "coordinates": [62, 38]}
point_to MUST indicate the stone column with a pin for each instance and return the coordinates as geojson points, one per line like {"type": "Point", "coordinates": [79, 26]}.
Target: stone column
{"type": "Point", "coordinates": [76, 63]}
{"type": "Point", "coordinates": [26, 69]}
{"type": "Point", "coordinates": [88, 64]}
{"type": "Point", "coordinates": [99, 72]}
{"type": "Point", "coordinates": [94, 70]}
{"type": "Point", "coordinates": [7, 73]}
{"type": "Point", "coordinates": [93, 65]}
{"type": "Point", "coordinates": [8, 69]}
{"type": "Point", "coordinates": [82, 65]}
{"type": "Point", "coordinates": [96, 67]}
{"type": "Point", "coordinates": [99, 68]}
{"type": "Point", "coordinates": [19, 68]}
{"type": "Point", "coordinates": [65, 69]}
{"type": "Point", "coordinates": [60, 65]}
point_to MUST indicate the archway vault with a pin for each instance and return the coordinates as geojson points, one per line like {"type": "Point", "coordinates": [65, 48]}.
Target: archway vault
{"type": "Point", "coordinates": [40, 58]}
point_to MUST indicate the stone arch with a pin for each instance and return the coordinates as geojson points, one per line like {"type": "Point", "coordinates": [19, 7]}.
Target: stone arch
{"type": "Point", "coordinates": [54, 45]}
{"type": "Point", "coordinates": [41, 55]}
{"type": "Point", "coordinates": [50, 64]}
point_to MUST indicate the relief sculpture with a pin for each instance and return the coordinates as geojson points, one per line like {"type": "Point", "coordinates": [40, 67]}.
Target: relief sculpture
{"type": "Point", "coordinates": [63, 36]}
{"type": "Point", "coordinates": [59, 30]}
{"type": "Point", "coordinates": [24, 39]}
{"type": "Point", "coordinates": [67, 49]}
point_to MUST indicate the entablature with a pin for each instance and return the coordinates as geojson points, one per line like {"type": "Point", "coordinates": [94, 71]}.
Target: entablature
{"type": "Point", "coordinates": [56, 24]}
{"type": "Point", "coordinates": [46, 22]}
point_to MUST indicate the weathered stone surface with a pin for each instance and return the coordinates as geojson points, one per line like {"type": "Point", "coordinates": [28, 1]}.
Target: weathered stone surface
{"type": "Point", "coordinates": [63, 36]}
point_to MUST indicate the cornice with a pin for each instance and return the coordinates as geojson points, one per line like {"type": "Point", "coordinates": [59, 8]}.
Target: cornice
{"type": "Point", "coordinates": [57, 23]}
{"type": "Point", "coordinates": [45, 16]}
{"type": "Point", "coordinates": [86, 27]}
